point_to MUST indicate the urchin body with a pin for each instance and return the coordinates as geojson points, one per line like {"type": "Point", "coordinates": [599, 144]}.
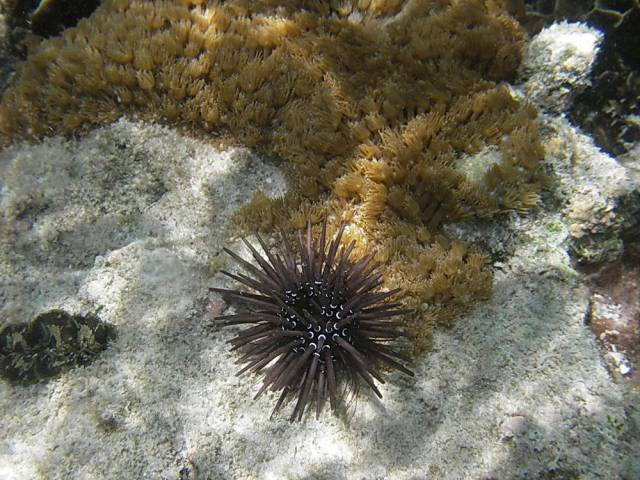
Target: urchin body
{"type": "Point", "coordinates": [319, 323]}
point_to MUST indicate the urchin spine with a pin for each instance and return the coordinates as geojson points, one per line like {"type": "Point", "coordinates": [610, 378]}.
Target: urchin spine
{"type": "Point", "coordinates": [318, 321]}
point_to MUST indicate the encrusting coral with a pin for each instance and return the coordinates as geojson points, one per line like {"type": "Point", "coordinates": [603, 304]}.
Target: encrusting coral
{"type": "Point", "coordinates": [374, 104]}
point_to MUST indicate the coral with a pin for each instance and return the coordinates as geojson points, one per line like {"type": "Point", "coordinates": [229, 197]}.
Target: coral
{"type": "Point", "coordinates": [50, 344]}
{"type": "Point", "coordinates": [319, 325]}
{"type": "Point", "coordinates": [608, 107]}
{"type": "Point", "coordinates": [377, 107]}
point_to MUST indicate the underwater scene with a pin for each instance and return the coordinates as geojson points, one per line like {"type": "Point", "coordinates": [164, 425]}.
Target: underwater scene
{"type": "Point", "coordinates": [320, 239]}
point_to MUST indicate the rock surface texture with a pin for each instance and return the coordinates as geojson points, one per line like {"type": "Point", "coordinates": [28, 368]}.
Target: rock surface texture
{"type": "Point", "coordinates": [129, 221]}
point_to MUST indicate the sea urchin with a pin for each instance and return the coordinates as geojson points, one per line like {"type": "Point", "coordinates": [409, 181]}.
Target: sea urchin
{"type": "Point", "coordinates": [319, 325]}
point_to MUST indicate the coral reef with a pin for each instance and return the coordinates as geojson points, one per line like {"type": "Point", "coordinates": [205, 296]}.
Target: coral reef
{"type": "Point", "coordinates": [380, 109]}
{"type": "Point", "coordinates": [49, 344]}
{"type": "Point", "coordinates": [163, 401]}
{"type": "Point", "coordinates": [609, 107]}
{"type": "Point", "coordinates": [515, 389]}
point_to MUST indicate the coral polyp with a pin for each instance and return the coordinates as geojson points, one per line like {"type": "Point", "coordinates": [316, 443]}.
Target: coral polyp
{"type": "Point", "coordinates": [320, 324]}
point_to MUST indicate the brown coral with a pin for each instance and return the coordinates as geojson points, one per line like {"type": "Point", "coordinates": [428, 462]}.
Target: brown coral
{"type": "Point", "coordinates": [373, 103]}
